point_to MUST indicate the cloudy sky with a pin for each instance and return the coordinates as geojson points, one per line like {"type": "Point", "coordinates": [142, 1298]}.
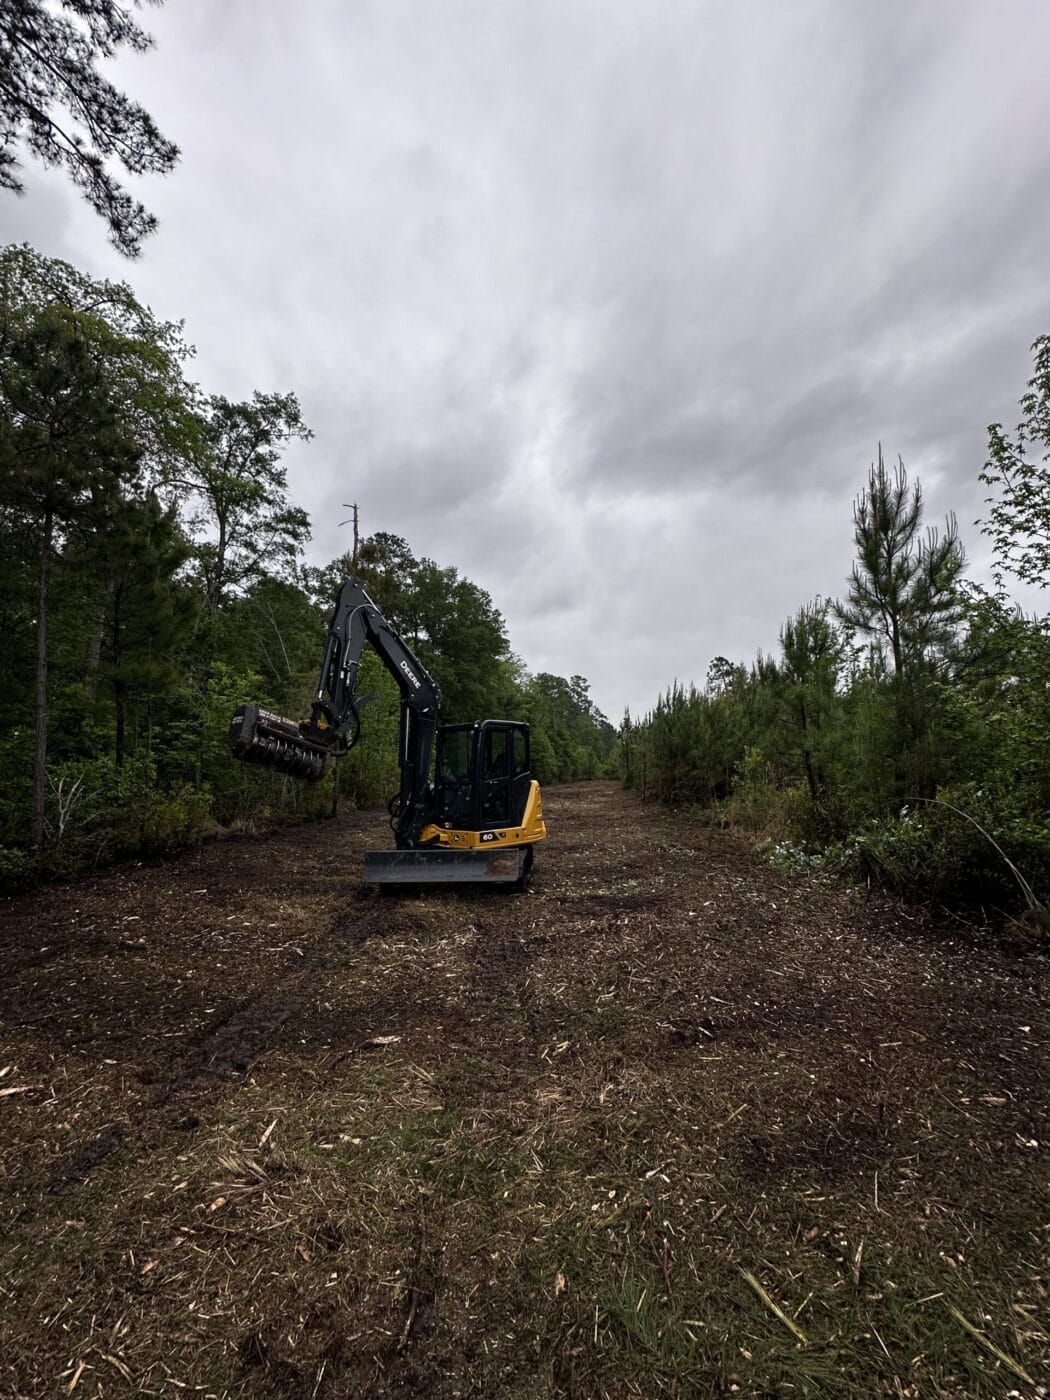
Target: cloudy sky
{"type": "Point", "coordinates": [608, 304]}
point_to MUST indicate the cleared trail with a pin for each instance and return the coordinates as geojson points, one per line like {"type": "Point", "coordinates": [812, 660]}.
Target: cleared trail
{"type": "Point", "coordinates": [264, 1134]}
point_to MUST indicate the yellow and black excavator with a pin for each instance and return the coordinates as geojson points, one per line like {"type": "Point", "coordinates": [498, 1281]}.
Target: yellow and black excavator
{"type": "Point", "coordinates": [481, 816]}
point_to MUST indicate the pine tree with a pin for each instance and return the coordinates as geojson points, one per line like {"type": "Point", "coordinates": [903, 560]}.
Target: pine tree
{"type": "Point", "coordinates": [812, 654]}
{"type": "Point", "coordinates": [903, 595]}
{"type": "Point", "coordinates": [66, 456]}
{"type": "Point", "coordinates": [147, 614]}
{"type": "Point", "coordinates": [245, 523]}
{"type": "Point", "coordinates": [54, 100]}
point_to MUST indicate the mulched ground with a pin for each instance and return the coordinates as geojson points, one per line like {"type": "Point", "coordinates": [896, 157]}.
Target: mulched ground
{"type": "Point", "coordinates": [669, 1124]}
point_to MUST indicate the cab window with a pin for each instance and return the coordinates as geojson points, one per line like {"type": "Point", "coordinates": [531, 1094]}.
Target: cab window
{"type": "Point", "coordinates": [455, 756]}
{"type": "Point", "coordinates": [521, 753]}
{"type": "Point", "coordinates": [495, 763]}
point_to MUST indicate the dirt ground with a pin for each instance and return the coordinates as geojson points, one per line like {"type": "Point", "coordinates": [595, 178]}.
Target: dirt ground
{"type": "Point", "coordinates": [669, 1124]}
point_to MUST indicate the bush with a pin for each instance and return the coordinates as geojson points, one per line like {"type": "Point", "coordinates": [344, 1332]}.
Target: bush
{"type": "Point", "coordinates": [956, 850]}
{"type": "Point", "coordinates": [19, 870]}
{"type": "Point", "coordinates": [760, 805]}
{"type": "Point", "coordinates": [98, 812]}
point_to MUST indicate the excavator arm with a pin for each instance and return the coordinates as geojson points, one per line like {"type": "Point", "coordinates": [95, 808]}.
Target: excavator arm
{"type": "Point", "coordinates": [302, 749]}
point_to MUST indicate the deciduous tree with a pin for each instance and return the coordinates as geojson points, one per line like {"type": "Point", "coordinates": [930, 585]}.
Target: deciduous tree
{"type": "Point", "coordinates": [1019, 469]}
{"type": "Point", "coordinates": [245, 524]}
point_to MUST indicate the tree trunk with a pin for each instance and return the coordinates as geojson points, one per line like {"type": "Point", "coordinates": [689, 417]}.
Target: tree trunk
{"type": "Point", "coordinates": [120, 707]}
{"type": "Point", "coordinates": [218, 580]}
{"type": "Point", "coordinates": [40, 752]}
{"type": "Point", "coordinates": [807, 755]}
{"type": "Point", "coordinates": [94, 651]}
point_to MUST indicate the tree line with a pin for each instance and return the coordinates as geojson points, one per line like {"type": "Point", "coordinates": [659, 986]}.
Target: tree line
{"type": "Point", "coordinates": [901, 733]}
{"type": "Point", "coordinates": [153, 577]}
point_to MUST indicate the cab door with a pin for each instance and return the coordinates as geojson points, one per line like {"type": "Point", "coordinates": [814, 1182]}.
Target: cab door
{"type": "Point", "coordinates": [455, 792]}
{"type": "Point", "coordinates": [495, 776]}
{"type": "Point", "coordinates": [521, 772]}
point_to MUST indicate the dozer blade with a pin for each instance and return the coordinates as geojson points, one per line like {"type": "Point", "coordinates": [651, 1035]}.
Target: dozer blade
{"type": "Point", "coordinates": [444, 867]}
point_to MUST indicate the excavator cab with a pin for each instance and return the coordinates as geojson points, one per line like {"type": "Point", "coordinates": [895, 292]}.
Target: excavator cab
{"type": "Point", "coordinates": [486, 811]}
{"type": "Point", "coordinates": [482, 775]}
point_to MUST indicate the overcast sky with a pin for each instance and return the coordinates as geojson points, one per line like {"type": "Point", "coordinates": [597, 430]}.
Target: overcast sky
{"type": "Point", "coordinates": [608, 304]}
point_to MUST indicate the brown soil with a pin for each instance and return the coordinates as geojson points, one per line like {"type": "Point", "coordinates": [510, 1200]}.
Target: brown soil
{"type": "Point", "coordinates": [264, 1134]}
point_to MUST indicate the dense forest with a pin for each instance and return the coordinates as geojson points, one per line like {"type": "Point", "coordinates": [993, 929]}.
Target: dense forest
{"type": "Point", "coordinates": [154, 578]}
{"type": "Point", "coordinates": [901, 733]}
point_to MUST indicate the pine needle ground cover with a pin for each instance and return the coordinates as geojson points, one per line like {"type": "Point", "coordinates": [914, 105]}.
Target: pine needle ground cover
{"type": "Point", "coordinates": [671, 1124]}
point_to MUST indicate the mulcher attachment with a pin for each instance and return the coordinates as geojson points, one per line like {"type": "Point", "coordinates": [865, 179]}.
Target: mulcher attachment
{"type": "Point", "coordinates": [259, 736]}
{"type": "Point", "coordinates": [440, 866]}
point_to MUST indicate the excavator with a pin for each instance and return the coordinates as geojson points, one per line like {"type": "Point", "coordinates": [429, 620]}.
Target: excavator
{"type": "Point", "coordinates": [479, 819]}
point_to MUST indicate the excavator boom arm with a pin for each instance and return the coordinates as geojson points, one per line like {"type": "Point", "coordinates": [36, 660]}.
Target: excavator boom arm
{"type": "Point", "coordinates": [303, 749]}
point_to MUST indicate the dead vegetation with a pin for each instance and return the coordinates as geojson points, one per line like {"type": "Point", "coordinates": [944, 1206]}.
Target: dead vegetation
{"type": "Point", "coordinates": [671, 1124]}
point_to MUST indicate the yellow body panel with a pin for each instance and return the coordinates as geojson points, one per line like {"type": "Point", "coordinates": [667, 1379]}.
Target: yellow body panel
{"type": "Point", "coordinates": [532, 829]}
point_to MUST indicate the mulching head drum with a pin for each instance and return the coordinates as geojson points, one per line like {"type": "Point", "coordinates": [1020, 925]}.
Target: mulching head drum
{"type": "Point", "coordinates": [439, 866]}
{"type": "Point", "coordinates": [260, 736]}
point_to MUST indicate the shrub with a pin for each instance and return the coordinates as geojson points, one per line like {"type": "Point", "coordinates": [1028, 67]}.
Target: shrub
{"type": "Point", "coordinates": [957, 850]}
{"type": "Point", "coordinates": [19, 870]}
{"type": "Point", "coordinates": [760, 805]}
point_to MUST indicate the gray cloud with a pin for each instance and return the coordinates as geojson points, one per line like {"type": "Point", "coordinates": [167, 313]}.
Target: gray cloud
{"type": "Point", "coordinates": [609, 305]}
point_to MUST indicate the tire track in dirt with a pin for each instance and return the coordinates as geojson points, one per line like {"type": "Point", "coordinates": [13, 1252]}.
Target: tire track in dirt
{"type": "Point", "coordinates": [226, 1049]}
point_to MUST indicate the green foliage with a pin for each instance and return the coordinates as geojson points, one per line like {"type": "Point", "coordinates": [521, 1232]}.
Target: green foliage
{"type": "Point", "coordinates": [759, 804]}
{"type": "Point", "coordinates": [19, 870]}
{"type": "Point", "coordinates": [244, 523]}
{"type": "Point", "coordinates": [91, 401]}
{"type": "Point", "coordinates": [917, 759]}
{"type": "Point", "coordinates": [808, 678]}
{"type": "Point", "coordinates": [902, 588]}
{"type": "Point", "coordinates": [570, 734]}
{"type": "Point", "coordinates": [146, 615]}
{"type": "Point", "coordinates": [144, 356]}
{"type": "Point", "coordinates": [904, 596]}
{"type": "Point", "coordinates": [956, 850]}
{"type": "Point", "coordinates": [56, 101]}
{"type": "Point", "coordinates": [98, 811]}
{"type": "Point", "coordinates": [544, 759]}
{"type": "Point", "coordinates": [66, 457]}
{"type": "Point", "coordinates": [1019, 469]}
{"type": "Point", "coordinates": [370, 771]}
